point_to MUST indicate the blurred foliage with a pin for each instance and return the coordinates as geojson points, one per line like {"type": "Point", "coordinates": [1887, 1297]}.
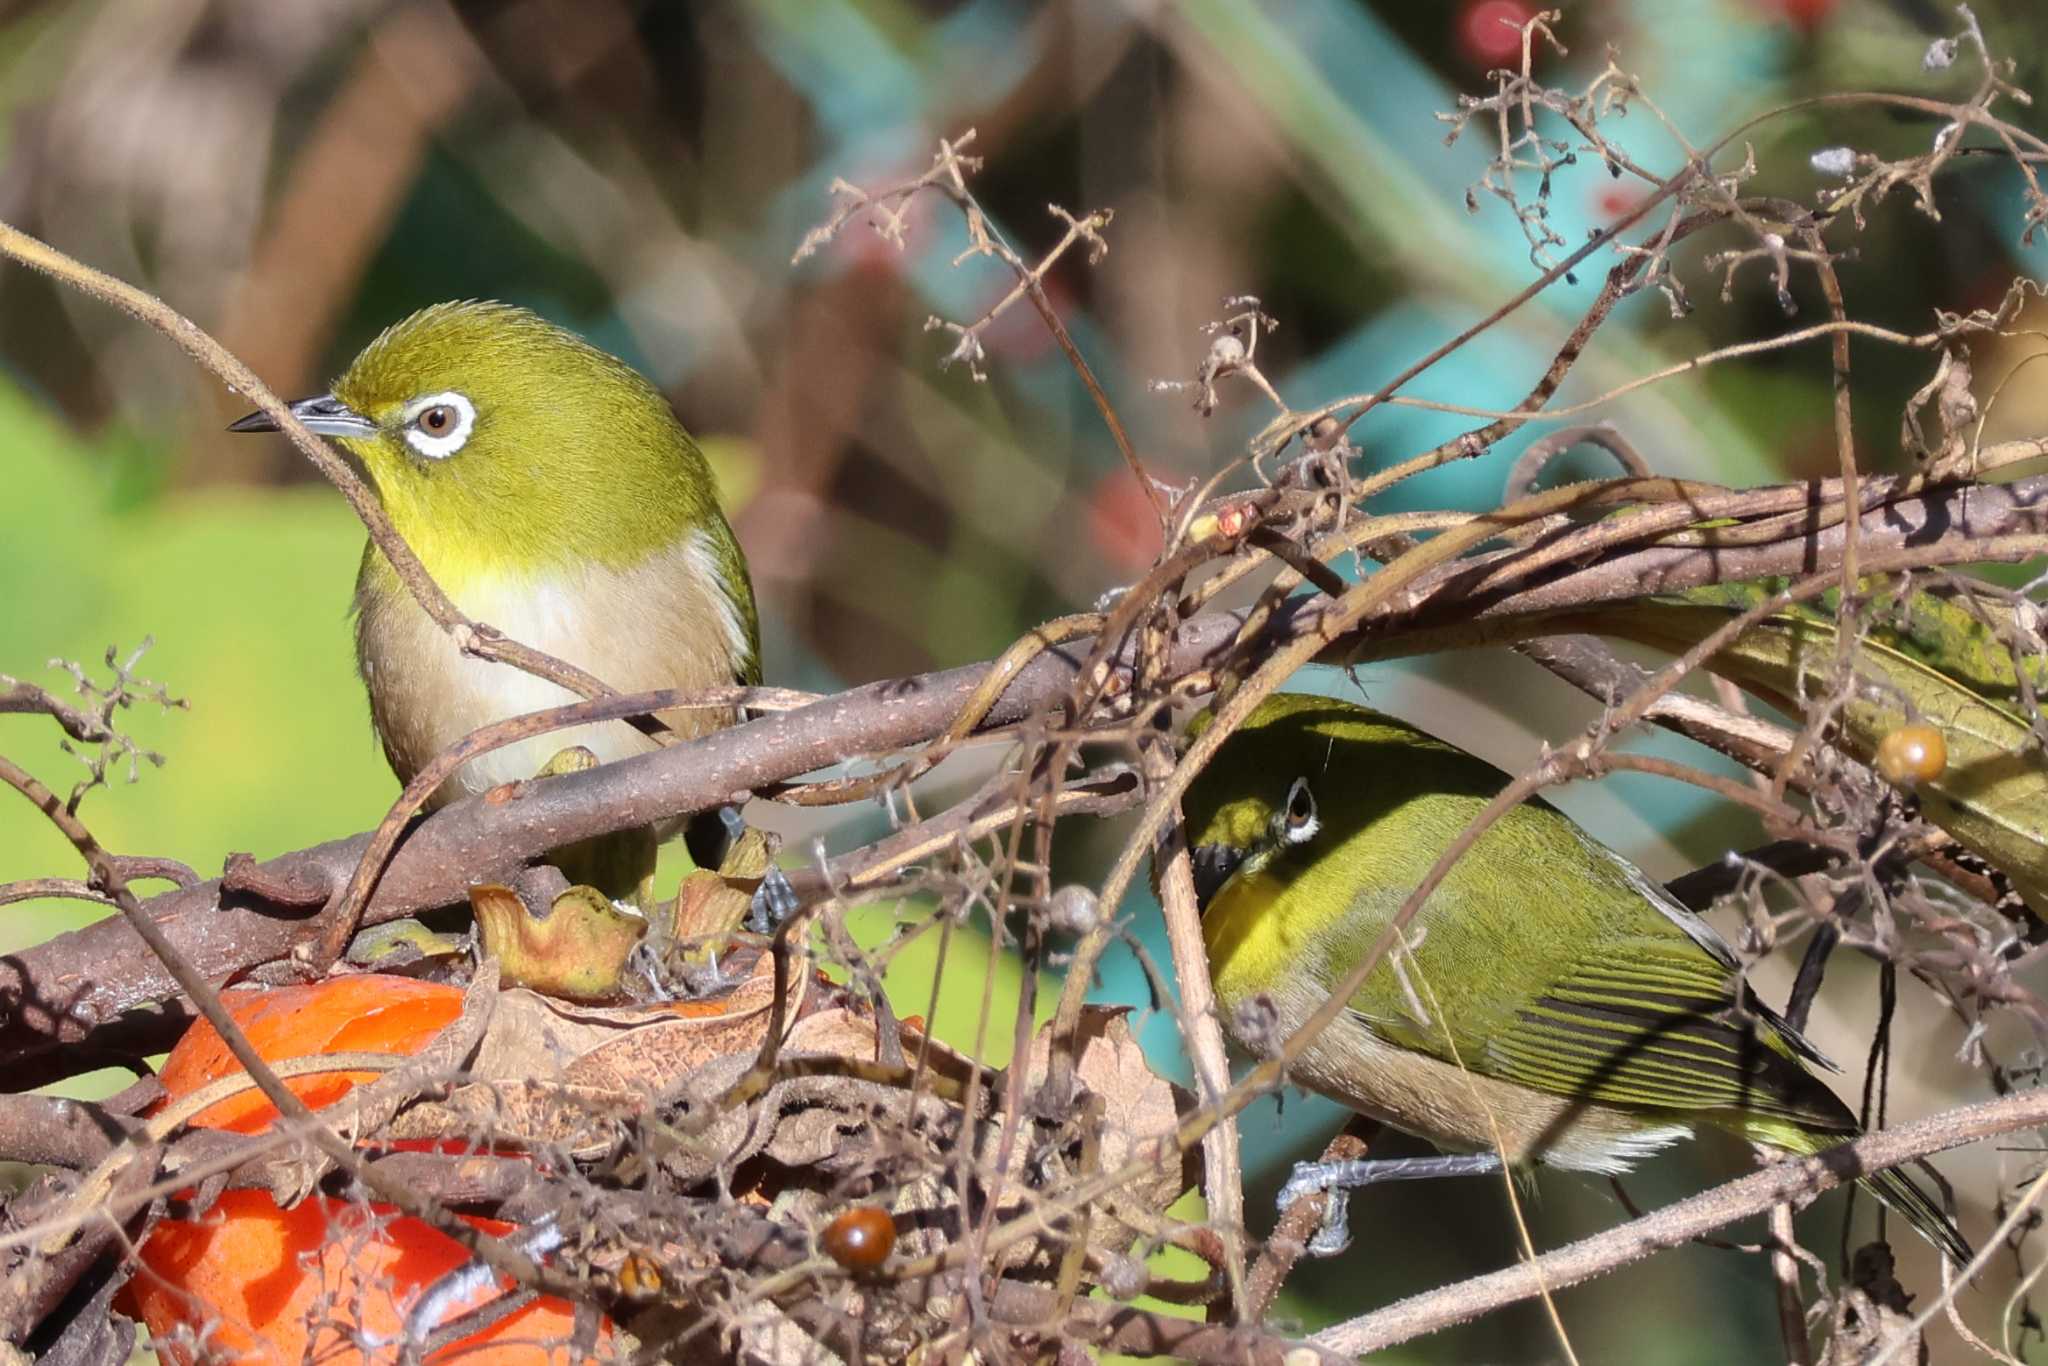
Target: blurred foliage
{"type": "Point", "coordinates": [295, 176]}
{"type": "Point", "coordinates": [238, 588]}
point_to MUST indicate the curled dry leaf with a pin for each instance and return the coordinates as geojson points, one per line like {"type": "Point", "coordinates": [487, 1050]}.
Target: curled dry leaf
{"type": "Point", "coordinates": [557, 1073]}
{"type": "Point", "coordinates": [1139, 1112]}
{"type": "Point", "coordinates": [710, 906]}
{"type": "Point", "coordinates": [577, 951]}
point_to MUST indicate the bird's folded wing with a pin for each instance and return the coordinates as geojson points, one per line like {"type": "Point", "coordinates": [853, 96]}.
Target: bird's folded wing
{"type": "Point", "coordinates": [1645, 1022]}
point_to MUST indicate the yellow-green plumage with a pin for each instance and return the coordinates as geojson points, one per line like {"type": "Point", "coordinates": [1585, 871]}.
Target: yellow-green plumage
{"type": "Point", "coordinates": [550, 492]}
{"type": "Point", "coordinates": [1552, 1002]}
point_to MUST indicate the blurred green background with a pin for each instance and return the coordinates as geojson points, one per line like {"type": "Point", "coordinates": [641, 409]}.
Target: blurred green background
{"type": "Point", "coordinates": [295, 176]}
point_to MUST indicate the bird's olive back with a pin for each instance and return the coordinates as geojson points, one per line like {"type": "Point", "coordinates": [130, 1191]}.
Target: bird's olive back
{"type": "Point", "coordinates": [503, 439]}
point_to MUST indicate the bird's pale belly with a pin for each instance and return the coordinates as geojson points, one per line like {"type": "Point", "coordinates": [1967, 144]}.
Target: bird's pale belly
{"type": "Point", "coordinates": [438, 695]}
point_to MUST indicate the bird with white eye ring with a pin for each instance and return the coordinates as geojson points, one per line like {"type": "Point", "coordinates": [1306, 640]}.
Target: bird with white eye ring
{"type": "Point", "coordinates": [1549, 1003]}
{"type": "Point", "coordinates": [1298, 822]}
{"type": "Point", "coordinates": [549, 491]}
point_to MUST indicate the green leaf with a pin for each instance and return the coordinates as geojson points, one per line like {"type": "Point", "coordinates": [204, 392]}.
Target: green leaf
{"type": "Point", "coordinates": [1924, 657]}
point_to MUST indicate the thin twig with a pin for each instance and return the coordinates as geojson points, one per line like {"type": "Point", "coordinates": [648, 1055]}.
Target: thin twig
{"type": "Point", "coordinates": [1794, 1180]}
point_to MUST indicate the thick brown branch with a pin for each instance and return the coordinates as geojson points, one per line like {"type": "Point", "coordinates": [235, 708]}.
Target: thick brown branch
{"type": "Point", "coordinates": [70, 988]}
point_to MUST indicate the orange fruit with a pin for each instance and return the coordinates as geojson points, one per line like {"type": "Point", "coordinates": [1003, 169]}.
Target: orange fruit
{"type": "Point", "coordinates": [249, 1282]}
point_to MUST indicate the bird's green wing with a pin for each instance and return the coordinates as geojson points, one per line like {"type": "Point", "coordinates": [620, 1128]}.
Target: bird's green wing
{"type": "Point", "coordinates": [1649, 1021]}
{"type": "Point", "coordinates": [1658, 1023]}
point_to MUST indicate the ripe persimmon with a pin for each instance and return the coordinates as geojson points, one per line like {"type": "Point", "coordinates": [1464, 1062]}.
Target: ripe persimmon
{"type": "Point", "coordinates": [327, 1280]}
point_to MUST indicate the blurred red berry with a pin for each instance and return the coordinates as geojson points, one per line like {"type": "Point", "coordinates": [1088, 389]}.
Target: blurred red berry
{"type": "Point", "coordinates": [1611, 201]}
{"type": "Point", "coordinates": [1122, 523]}
{"type": "Point", "coordinates": [1490, 32]}
{"type": "Point", "coordinates": [1806, 15]}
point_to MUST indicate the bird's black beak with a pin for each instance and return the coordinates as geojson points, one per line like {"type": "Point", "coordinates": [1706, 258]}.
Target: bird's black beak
{"type": "Point", "coordinates": [323, 413]}
{"type": "Point", "coordinates": [1212, 866]}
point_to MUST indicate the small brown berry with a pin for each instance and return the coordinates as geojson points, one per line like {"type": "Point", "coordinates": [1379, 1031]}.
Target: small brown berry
{"type": "Point", "coordinates": [1912, 754]}
{"type": "Point", "coordinates": [859, 1239]}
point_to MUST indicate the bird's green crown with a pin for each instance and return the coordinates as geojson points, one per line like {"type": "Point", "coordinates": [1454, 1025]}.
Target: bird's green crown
{"type": "Point", "coordinates": [502, 440]}
{"type": "Point", "coordinates": [1291, 736]}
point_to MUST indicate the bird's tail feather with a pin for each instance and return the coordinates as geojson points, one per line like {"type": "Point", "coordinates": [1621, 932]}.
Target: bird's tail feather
{"type": "Point", "coordinates": [1892, 1187]}
{"type": "Point", "coordinates": [1905, 1198]}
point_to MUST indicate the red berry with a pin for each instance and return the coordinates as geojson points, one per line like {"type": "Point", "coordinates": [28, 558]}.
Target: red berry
{"type": "Point", "coordinates": [1807, 15]}
{"type": "Point", "coordinates": [1490, 32]}
{"type": "Point", "coordinates": [1121, 522]}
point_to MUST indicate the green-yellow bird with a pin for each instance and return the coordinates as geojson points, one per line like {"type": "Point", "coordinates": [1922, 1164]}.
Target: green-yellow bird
{"type": "Point", "coordinates": [1553, 1004]}
{"type": "Point", "coordinates": [550, 491]}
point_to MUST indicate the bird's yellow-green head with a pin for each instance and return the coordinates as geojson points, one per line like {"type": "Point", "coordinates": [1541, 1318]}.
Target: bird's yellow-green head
{"type": "Point", "coordinates": [1303, 773]}
{"type": "Point", "coordinates": [498, 440]}
{"type": "Point", "coordinates": [548, 490]}
{"type": "Point", "coordinates": [1257, 801]}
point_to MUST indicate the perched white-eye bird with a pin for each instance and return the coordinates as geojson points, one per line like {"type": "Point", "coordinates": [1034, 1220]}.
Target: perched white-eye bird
{"type": "Point", "coordinates": [1552, 1003]}
{"type": "Point", "coordinates": [550, 491]}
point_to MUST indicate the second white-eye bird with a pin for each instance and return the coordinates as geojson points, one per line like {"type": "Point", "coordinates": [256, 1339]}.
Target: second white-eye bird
{"type": "Point", "coordinates": [1550, 1003]}
{"type": "Point", "coordinates": [550, 491]}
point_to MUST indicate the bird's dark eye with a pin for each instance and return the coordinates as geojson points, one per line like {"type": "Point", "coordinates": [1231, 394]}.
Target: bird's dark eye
{"type": "Point", "coordinates": [1298, 820]}
{"type": "Point", "coordinates": [439, 425]}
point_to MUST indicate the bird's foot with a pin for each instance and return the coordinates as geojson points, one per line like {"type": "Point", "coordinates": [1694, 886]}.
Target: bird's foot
{"type": "Point", "coordinates": [774, 901]}
{"type": "Point", "coordinates": [1339, 1179]}
{"type": "Point", "coordinates": [650, 980]}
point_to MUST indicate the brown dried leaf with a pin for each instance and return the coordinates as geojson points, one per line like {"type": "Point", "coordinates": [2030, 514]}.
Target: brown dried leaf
{"type": "Point", "coordinates": [1139, 1110]}
{"type": "Point", "coordinates": [709, 906]}
{"type": "Point", "coordinates": [1141, 1106]}
{"type": "Point", "coordinates": [551, 1071]}
{"type": "Point", "coordinates": [838, 1031]}
{"type": "Point", "coordinates": [826, 1121]}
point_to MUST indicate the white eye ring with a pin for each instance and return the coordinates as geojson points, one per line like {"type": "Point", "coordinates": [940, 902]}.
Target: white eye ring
{"type": "Point", "coordinates": [439, 445]}
{"type": "Point", "coordinates": [1298, 821]}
